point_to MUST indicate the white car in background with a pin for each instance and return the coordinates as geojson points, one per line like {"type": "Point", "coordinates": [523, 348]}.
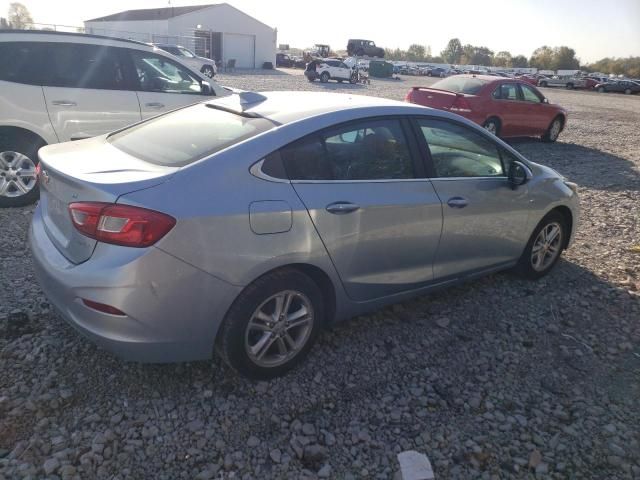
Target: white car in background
{"type": "Point", "coordinates": [329, 69]}
{"type": "Point", "coordinates": [204, 65]}
{"type": "Point", "coordinates": [56, 87]}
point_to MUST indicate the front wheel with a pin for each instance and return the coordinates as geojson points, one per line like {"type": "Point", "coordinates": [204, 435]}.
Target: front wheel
{"type": "Point", "coordinates": [324, 78]}
{"type": "Point", "coordinates": [207, 70]}
{"type": "Point", "coordinates": [492, 125]}
{"type": "Point", "coordinates": [627, 91]}
{"type": "Point", "coordinates": [601, 90]}
{"type": "Point", "coordinates": [543, 84]}
{"type": "Point", "coordinates": [272, 325]}
{"type": "Point", "coordinates": [544, 247]}
{"type": "Point", "coordinates": [553, 132]}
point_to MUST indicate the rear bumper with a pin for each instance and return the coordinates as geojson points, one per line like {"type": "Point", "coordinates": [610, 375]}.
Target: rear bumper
{"type": "Point", "coordinates": [173, 310]}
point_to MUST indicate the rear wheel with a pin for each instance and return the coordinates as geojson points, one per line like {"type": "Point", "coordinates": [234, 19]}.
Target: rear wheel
{"type": "Point", "coordinates": [324, 78]}
{"type": "Point", "coordinates": [627, 91]}
{"type": "Point", "coordinates": [207, 70]}
{"type": "Point", "coordinates": [492, 125]}
{"type": "Point", "coordinates": [18, 160]}
{"type": "Point", "coordinates": [272, 325]}
{"type": "Point", "coordinates": [544, 247]}
{"type": "Point", "coordinates": [543, 84]}
{"type": "Point", "coordinates": [553, 131]}
{"type": "Point", "coordinates": [600, 89]}
{"type": "Point", "coordinates": [569, 86]}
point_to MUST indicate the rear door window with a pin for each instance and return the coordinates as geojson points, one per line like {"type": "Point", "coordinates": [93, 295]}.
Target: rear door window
{"type": "Point", "coordinates": [22, 62]}
{"type": "Point", "coordinates": [74, 65]}
{"type": "Point", "coordinates": [506, 91]}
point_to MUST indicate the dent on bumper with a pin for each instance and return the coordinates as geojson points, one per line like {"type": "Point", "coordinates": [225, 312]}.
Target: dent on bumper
{"type": "Point", "coordinates": [173, 309]}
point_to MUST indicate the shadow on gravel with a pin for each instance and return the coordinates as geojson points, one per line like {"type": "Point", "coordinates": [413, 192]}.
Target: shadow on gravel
{"type": "Point", "coordinates": [339, 86]}
{"type": "Point", "coordinates": [586, 166]}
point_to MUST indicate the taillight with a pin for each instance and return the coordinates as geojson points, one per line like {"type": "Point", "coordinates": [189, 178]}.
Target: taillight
{"type": "Point", "coordinates": [460, 105]}
{"type": "Point", "coordinates": [120, 224]}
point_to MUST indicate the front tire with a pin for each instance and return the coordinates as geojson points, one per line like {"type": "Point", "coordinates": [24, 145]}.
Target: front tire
{"type": "Point", "coordinates": [18, 161]}
{"type": "Point", "coordinates": [207, 70]}
{"type": "Point", "coordinates": [324, 78]}
{"type": "Point", "coordinates": [544, 247]}
{"type": "Point", "coordinates": [627, 91]}
{"type": "Point", "coordinates": [553, 132]}
{"type": "Point", "coordinates": [543, 84]}
{"type": "Point", "coordinates": [601, 90]}
{"type": "Point", "coordinates": [272, 325]}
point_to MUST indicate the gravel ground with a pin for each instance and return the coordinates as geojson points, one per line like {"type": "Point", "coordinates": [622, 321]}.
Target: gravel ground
{"type": "Point", "coordinates": [498, 378]}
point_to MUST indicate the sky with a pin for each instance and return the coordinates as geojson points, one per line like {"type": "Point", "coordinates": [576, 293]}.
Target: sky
{"type": "Point", "coordinates": [594, 28]}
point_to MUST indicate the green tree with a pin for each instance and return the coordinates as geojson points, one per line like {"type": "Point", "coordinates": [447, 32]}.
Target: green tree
{"type": "Point", "coordinates": [415, 53]}
{"type": "Point", "coordinates": [502, 59]}
{"type": "Point", "coordinates": [519, 61]}
{"type": "Point", "coordinates": [453, 52]}
{"type": "Point", "coordinates": [564, 58]}
{"type": "Point", "coordinates": [472, 55]}
{"type": "Point", "coordinates": [629, 66]}
{"type": "Point", "coordinates": [542, 58]}
{"type": "Point", "coordinates": [19, 16]}
{"type": "Point", "coordinates": [4, 24]}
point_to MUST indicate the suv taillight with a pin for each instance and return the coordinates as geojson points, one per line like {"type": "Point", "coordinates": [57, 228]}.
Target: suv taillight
{"type": "Point", "coordinates": [120, 224]}
{"type": "Point", "coordinates": [460, 105]}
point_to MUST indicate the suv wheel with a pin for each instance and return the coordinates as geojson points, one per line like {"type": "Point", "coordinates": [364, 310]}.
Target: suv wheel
{"type": "Point", "coordinates": [18, 179]}
{"type": "Point", "coordinates": [324, 77]}
{"type": "Point", "coordinates": [272, 325]}
{"type": "Point", "coordinates": [207, 70]}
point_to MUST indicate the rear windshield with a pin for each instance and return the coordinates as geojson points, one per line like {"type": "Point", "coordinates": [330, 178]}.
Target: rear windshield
{"type": "Point", "coordinates": [186, 135]}
{"type": "Point", "coordinates": [471, 86]}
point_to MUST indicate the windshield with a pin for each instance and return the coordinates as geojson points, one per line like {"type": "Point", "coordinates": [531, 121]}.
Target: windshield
{"type": "Point", "coordinates": [186, 135]}
{"type": "Point", "coordinates": [186, 53]}
{"type": "Point", "coordinates": [471, 86]}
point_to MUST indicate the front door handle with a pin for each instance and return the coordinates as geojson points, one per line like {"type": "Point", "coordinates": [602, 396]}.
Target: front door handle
{"type": "Point", "coordinates": [457, 202]}
{"type": "Point", "coordinates": [154, 105]}
{"type": "Point", "coordinates": [64, 103]}
{"type": "Point", "coordinates": [340, 208]}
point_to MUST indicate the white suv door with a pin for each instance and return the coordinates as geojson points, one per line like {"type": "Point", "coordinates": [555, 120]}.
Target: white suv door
{"type": "Point", "coordinates": [86, 91]}
{"type": "Point", "coordinates": [163, 84]}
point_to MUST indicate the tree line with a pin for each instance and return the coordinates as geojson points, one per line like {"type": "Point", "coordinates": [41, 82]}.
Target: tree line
{"type": "Point", "coordinates": [18, 17]}
{"type": "Point", "coordinates": [543, 58]}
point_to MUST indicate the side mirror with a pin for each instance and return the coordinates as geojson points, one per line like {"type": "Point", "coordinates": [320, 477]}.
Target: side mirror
{"type": "Point", "coordinates": [519, 174]}
{"type": "Point", "coordinates": [205, 87]}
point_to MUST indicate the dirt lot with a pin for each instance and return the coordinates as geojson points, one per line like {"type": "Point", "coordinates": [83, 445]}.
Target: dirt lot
{"type": "Point", "coordinates": [499, 378]}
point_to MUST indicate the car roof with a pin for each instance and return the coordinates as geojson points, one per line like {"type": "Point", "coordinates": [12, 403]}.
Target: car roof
{"type": "Point", "coordinates": [290, 106]}
{"type": "Point", "coordinates": [73, 35]}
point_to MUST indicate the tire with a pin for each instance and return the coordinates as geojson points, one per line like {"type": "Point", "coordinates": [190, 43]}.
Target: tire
{"type": "Point", "coordinates": [324, 78]}
{"type": "Point", "coordinates": [553, 132]}
{"type": "Point", "coordinates": [543, 84]}
{"type": "Point", "coordinates": [569, 86]}
{"type": "Point", "coordinates": [242, 330]}
{"type": "Point", "coordinates": [428, 74]}
{"type": "Point", "coordinates": [601, 90]}
{"type": "Point", "coordinates": [627, 91]}
{"type": "Point", "coordinates": [492, 125]}
{"type": "Point", "coordinates": [526, 265]}
{"type": "Point", "coordinates": [207, 71]}
{"type": "Point", "coordinates": [354, 79]}
{"type": "Point", "coordinates": [18, 154]}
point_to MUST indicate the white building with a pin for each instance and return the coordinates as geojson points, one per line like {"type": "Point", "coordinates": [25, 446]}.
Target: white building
{"type": "Point", "coordinates": [220, 32]}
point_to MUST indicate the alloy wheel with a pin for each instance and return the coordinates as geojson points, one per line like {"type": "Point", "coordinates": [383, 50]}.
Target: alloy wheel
{"type": "Point", "coordinates": [279, 328]}
{"type": "Point", "coordinates": [17, 174]}
{"type": "Point", "coordinates": [491, 127]}
{"type": "Point", "coordinates": [546, 247]}
{"type": "Point", "coordinates": [554, 131]}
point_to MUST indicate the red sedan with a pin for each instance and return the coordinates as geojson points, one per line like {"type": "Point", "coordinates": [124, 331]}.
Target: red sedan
{"type": "Point", "coordinates": [504, 106]}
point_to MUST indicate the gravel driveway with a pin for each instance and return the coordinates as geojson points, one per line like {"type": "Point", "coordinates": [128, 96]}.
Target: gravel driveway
{"type": "Point", "coordinates": [498, 378]}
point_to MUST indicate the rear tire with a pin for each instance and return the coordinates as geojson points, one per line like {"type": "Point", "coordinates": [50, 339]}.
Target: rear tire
{"type": "Point", "coordinates": [18, 159]}
{"type": "Point", "coordinates": [543, 252]}
{"type": "Point", "coordinates": [601, 90]}
{"type": "Point", "coordinates": [324, 78]}
{"type": "Point", "coordinates": [543, 84]}
{"type": "Point", "coordinates": [627, 91]}
{"type": "Point", "coordinates": [207, 71]}
{"type": "Point", "coordinates": [492, 125]}
{"type": "Point", "coordinates": [253, 336]}
{"type": "Point", "coordinates": [553, 132]}
{"type": "Point", "coordinates": [569, 86]}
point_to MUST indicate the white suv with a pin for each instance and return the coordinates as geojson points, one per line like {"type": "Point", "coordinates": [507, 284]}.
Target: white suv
{"type": "Point", "coordinates": [56, 87]}
{"type": "Point", "coordinates": [329, 69]}
{"type": "Point", "coordinates": [204, 65]}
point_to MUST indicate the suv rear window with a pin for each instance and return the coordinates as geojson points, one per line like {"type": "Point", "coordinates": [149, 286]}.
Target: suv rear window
{"type": "Point", "coordinates": [21, 62]}
{"type": "Point", "coordinates": [186, 135]}
{"type": "Point", "coordinates": [471, 86]}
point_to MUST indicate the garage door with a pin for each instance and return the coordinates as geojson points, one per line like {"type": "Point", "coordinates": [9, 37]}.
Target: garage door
{"type": "Point", "coordinates": [240, 47]}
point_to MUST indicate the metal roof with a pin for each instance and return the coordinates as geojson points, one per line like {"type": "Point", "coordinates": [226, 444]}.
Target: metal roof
{"type": "Point", "coordinates": [151, 13]}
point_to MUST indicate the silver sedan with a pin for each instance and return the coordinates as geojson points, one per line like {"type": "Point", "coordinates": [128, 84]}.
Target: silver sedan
{"type": "Point", "coordinates": [244, 225]}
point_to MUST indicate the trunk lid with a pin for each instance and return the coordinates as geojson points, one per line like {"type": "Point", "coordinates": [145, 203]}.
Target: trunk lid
{"type": "Point", "coordinates": [87, 170]}
{"type": "Point", "coordinates": [434, 98]}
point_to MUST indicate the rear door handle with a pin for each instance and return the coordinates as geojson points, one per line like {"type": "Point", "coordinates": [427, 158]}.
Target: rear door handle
{"type": "Point", "coordinates": [154, 105]}
{"type": "Point", "coordinates": [457, 202]}
{"type": "Point", "coordinates": [340, 208]}
{"type": "Point", "coordinates": [64, 103]}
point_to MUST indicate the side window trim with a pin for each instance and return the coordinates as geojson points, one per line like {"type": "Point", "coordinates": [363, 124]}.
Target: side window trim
{"type": "Point", "coordinates": [427, 151]}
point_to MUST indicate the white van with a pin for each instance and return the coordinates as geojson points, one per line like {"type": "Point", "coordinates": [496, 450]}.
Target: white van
{"type": "Point", "coordinates": [56, 87]}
